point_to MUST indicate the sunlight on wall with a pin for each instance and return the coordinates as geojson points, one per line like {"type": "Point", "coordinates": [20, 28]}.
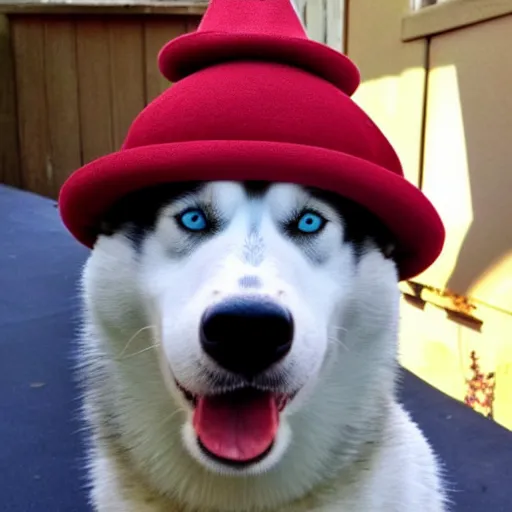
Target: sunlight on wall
{"type": "Point", "coordinates": [446, 172]}
{"type": "Point", "coordinates": [429, 347]}
{"type": "Point", "coordinates": [392, 102]}
{"type": "Point", "coordinates": [466, 128]}
{"type": "Point", "coordinates": [438, 350]}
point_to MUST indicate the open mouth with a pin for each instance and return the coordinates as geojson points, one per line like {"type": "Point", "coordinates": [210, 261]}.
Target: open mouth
{"type": "Point", "coordinates": [237, 428]}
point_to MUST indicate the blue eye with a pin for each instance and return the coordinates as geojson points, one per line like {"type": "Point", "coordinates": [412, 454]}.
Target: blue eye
{"type": "Point", "coordinates": [310, 223]}
{"type": "Point", "coordinates": [193, 220]}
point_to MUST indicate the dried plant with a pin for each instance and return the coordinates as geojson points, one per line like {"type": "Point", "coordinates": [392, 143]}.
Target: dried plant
{"type": "Point", "coordinates": [480, 389]}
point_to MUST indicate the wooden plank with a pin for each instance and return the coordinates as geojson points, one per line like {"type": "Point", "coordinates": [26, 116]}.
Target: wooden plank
{"type": "Point", "coordinates": [173, 8]}
{"type": "Point", "coordinates": [157, 33]}
{"type": "Point", "coordinates": [94, 85]}
{"type": "Point", "coordinates": [9, 156]}
{"type": "Point", "coordinates": [126, 75]}
{"type": "Point", "coordinates": [452, 15]}
{"type": "Point", "coordinates": [62, 99]}
{"type": "Point", "coordinates": [28, 41]}
{"type": "Point", "coordinates": [192, 23]}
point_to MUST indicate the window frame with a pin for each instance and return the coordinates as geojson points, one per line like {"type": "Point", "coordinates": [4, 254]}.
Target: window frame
{"type": "Point", "coordinates": [425, 20]}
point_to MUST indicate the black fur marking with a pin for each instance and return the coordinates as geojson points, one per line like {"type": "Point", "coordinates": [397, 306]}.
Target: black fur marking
{"type": "Point", "coordinates": [360, 225]}
{"type": "Point", "coordinates": [256, 188]}
{"type": "Point", "coordinates": [136, 214]}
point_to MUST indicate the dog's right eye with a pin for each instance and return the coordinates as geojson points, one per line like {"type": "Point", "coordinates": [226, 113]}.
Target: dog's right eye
{"type": "Point", "coordinates": [193, 219]}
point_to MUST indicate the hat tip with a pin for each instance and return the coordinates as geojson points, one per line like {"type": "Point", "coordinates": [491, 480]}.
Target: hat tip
{"type": "Point", "coordinates": [271, 17]}
{"type": "Point", "coordinates": [270, 30]}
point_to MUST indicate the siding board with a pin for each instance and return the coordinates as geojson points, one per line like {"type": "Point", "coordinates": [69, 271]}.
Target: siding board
{"type": "Point", "coordinates": [62, 100]}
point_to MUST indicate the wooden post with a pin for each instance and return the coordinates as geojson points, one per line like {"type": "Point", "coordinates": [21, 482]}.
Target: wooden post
{"type": "Point", "coordinates": [9, 154]}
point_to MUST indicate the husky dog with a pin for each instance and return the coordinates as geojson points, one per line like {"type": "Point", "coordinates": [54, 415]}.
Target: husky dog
{"type": "Point", "coordinates": [239, 354]}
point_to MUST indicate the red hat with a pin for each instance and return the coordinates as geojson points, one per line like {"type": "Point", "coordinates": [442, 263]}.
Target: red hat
{"type": "Point", "coordinates": [255, 99]}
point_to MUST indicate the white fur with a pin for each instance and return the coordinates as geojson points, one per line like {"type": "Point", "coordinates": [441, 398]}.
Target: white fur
{"type": "Point", "coordinates": [344, 443]}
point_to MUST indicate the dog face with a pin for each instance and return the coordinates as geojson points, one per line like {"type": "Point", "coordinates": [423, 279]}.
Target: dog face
{"type": "Point", "coordinates": [252, 318]}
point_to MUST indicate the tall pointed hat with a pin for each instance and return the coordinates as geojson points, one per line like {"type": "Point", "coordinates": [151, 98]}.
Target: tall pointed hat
{"type": "Point", "coordinates": [255, 99]}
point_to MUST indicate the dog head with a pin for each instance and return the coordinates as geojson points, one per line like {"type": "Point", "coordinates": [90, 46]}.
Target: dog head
{"type": "Point", "coordinates": [251, 327]}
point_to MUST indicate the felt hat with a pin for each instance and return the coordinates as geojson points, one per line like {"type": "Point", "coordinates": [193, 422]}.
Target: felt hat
{"type": "Point", "coordinates": [254, 99]}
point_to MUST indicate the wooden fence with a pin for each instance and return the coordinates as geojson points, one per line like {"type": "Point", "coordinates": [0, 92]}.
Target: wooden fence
{"type": "Point", "coordinates": [71, 83]}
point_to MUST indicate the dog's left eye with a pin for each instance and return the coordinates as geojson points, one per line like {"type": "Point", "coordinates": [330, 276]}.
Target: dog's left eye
{"type": "Point", "coordinates": [193, 220]}
{"type": "Point", "coordinates": [310, 223]}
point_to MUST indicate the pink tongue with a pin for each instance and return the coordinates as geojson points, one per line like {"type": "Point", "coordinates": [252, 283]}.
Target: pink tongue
{"type": "Point", "coordinates": [237, 426]}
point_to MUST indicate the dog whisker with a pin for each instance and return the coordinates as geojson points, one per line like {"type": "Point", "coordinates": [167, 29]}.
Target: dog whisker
{"type": "Point", "coordinates": [141, 351]}
{"type": "Point", "coordinates": [137, 333]}
{"type": "Point", "coordinates": [174, 413]}
{"type": "Point", "coordinates": [341, 343]}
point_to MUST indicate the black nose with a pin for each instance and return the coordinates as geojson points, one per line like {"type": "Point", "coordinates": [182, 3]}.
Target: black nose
{"type": "Point", "coordinates": [246, 335]}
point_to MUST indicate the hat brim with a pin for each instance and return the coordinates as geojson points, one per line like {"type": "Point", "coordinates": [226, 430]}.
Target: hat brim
{"type": "Point", "coordinates": [92, 190]}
